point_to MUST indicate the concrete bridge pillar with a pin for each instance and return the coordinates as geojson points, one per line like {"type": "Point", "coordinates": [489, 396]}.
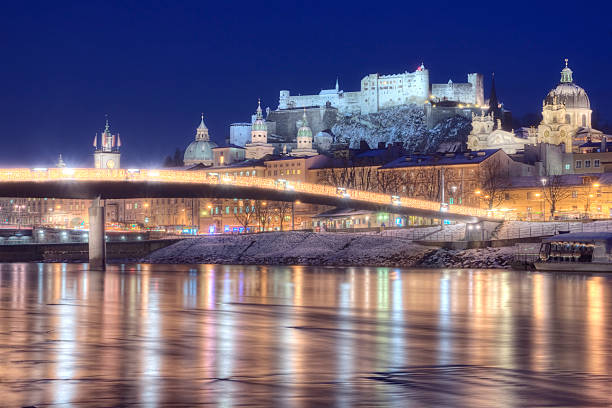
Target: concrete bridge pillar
{"type": "Point", "coordinates": [97, 241]}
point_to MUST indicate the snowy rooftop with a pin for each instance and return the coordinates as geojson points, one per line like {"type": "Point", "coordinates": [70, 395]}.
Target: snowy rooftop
{"type": "Point", "coordinates": [441, 159]}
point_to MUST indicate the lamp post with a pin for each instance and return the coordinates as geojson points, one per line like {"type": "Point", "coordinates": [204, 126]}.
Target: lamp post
{"type": "Point", "coordinates": [544, 181]}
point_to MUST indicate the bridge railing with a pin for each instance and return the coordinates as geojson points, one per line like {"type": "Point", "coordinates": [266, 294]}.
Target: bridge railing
{"type": "Point", "coordinates": [205, 177]}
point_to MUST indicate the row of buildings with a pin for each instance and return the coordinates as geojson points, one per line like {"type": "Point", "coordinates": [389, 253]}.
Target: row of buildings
{"type": "Point", "coordinates": [559, 170]}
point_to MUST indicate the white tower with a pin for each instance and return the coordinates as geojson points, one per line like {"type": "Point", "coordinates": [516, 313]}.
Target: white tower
{"type": "Point", "coordinates": [304, 140]}
{"type": "Point", "coordinates": [259, 146]}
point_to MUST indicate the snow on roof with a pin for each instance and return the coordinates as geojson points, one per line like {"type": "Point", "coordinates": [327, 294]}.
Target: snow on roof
{"type": "Point", "coordinates": [441, 159]}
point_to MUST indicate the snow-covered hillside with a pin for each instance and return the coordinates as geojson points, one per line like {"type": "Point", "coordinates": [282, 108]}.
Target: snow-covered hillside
{"type": "Point", "coordinates": [404, 124]}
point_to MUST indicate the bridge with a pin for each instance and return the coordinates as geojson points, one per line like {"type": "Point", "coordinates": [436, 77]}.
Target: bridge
{"type": "Point", "coordinates": [99, 184]}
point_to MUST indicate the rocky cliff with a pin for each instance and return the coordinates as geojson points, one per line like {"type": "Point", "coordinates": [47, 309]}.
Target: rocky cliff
{"type": "Point", "coordinates": [404, 124]}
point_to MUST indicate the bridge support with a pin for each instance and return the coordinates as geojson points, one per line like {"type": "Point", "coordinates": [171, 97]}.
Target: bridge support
{"type": "Point", "coordinates": [97, 241]}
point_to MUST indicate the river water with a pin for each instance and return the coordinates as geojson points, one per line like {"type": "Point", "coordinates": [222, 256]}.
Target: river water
{"type": "Point", "coordinates": [166, 335]}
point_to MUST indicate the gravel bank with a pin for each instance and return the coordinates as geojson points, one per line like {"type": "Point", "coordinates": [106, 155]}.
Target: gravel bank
{"type": "Point", "coordinates": [307, 248]}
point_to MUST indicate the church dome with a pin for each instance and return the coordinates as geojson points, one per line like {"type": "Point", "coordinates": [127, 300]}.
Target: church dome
{"type": "Point", "coordinates": [304, 131]}
{"type": "Point", "coordinates": [200, 150]}
{"type": "Point", "coordinates": [260, 123]}
{"type": "Point", "coordinates": [568, 93]}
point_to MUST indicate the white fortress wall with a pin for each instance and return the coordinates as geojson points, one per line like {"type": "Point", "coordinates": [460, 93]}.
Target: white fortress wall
{"type": "Point", "coordinates": [240, 133]}
{"type": "Point", "coordinates": [384, 91]}
{"type": "Point", "coordinates": [468, 92]}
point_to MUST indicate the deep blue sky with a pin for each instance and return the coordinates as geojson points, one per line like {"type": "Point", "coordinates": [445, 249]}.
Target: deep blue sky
{"type": "Point", "coordinates": [153, 67]}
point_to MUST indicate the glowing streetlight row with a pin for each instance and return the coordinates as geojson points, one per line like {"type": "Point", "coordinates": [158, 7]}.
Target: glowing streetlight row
{"type": "Point", "coordinates": [204, 177]}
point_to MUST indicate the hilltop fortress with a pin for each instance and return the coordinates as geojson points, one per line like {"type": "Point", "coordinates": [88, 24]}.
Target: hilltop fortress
{"type": "Point", "coordinates": [386, 91]}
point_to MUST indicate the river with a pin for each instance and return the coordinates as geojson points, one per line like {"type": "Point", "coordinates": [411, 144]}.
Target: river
{"type": "Point", "coordinates": [180, 335]}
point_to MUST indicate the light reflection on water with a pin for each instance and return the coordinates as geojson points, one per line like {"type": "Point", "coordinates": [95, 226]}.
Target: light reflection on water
{"type": "Point", "coordinates": [300, 336]}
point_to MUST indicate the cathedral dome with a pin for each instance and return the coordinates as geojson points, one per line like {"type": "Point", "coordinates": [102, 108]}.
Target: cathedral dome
{"type": "Point", "coordinates": [568, 93]}
{"type": "Point", "coordinates": [200, 150]}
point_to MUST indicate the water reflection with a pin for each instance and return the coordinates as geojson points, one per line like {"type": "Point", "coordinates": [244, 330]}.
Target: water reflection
{"type": "Point", "coordinates": [302, 336]}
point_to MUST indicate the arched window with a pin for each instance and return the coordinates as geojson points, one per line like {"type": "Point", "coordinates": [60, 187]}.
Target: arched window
{"type": "Point", "coordinates": [584, 120]}
{"type": "Point", "coordinates": [568, 119]}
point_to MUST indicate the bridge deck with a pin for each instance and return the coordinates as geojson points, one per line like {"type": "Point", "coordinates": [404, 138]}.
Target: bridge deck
{"type": "Point", "coordinates": [140, 183]}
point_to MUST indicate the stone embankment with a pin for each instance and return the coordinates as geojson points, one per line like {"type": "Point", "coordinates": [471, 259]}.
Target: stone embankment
{"type": "Point", "coordinates": [308, 248]}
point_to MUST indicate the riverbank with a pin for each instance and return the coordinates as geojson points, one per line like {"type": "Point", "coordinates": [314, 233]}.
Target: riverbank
{"type": "Point", "coordinates": [337, 249]}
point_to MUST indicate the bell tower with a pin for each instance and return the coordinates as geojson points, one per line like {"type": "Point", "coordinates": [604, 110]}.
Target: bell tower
{"type": "Point", "coordinates": [106, 154]}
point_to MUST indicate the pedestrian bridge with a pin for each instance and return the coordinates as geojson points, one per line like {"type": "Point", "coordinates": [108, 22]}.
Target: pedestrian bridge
{"type": "Point", "coordinates": [140, 183]}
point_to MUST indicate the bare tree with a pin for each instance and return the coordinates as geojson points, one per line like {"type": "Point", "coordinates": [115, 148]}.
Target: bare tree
{"type": "Point", "coordinates": [246, 215]}
{"type": "Point", "coordinates": [282, 208]}
{"type": "Point", "coordinates": [341, 176]}
{"type": "Point", "coordinates": [426, 182]}
{"type": "Point", "coordinates": [494, 182]}
{"type": "Point", "coordinates": [263, 214]}
{"type": "Point", "coordinates": [554, 190]}
{"type": "Point", "coordinates": [388, 181]}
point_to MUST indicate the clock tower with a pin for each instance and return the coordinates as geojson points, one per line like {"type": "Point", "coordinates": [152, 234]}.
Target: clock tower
{"type": "Point", "coordinates": [106, 155]}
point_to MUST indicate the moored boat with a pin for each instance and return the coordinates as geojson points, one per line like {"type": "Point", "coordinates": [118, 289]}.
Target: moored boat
{"type": "Point", "coordinates": [576, 252]}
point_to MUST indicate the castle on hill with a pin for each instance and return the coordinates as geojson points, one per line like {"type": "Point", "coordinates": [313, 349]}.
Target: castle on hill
{"type": "Point", "coordinates": [385, 91]}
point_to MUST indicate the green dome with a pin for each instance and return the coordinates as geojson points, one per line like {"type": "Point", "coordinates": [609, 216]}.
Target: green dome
{"type": "Point", "coordinates": [304, 131]}
{"type": "Point", "coordinates": [199, 151]}
{"type": "Point", "coordinates": [260, 125]}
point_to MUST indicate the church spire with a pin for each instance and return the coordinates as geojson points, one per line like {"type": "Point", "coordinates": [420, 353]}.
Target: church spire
{"type": "Point", "coordinates": [202, 130]}
{"type": "Point", "coordinates": [304, 120]}
{"type": "Point", "coordinates": [566, 74]}
{"type": "Point", "coordinates": [494, 108]}
{"type": "Point", "coordinates": [60, 162]}
{"type": "Point", "coordinates": [259, 114]}
{"type": "Point", "coordinates": [202, 125]}
{"type": "Point", "coordinates": [337, 85]}
{"type": "Point", "coordinates": [493, 101]}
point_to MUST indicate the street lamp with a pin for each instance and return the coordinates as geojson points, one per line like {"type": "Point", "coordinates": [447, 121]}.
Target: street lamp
{"type": "Point", "coordinates": [544, 181]}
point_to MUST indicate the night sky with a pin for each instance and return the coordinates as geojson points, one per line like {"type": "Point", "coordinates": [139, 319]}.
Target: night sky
{"type": "Point", "coordinates": [153, 67]}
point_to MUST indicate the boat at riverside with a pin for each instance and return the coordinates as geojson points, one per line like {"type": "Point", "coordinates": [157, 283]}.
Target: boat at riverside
{"type": "Point", "coordinates": [576, 252]}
